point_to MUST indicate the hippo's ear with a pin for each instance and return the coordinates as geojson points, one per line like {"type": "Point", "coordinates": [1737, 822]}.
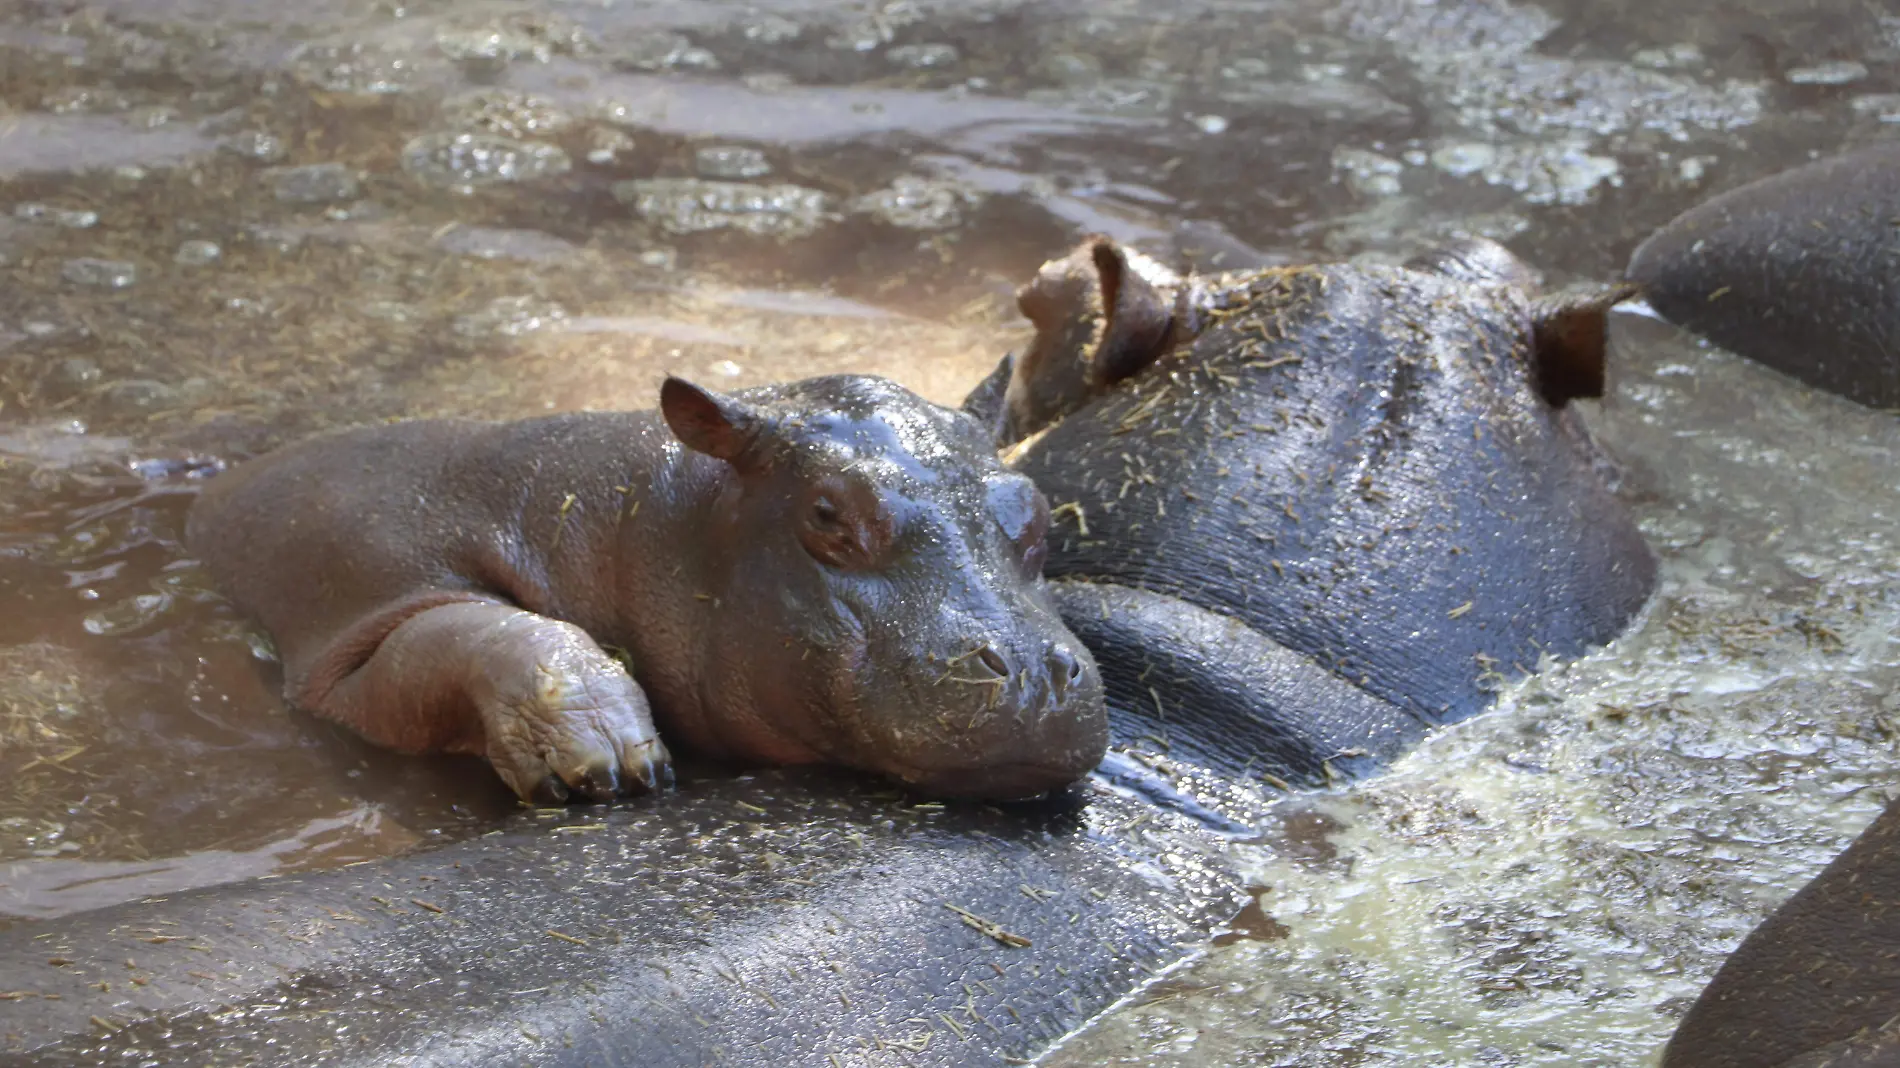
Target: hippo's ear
{"type": "Point", "coordinates": [1139, 315]}
{"type": "Point", "coordinates": [1098, 320]}
{"type": "Point", "coordinates": [1570, 339]}
{"type": "Point", "coordinates": [985, 403]}
{"type": "Point", "coordinates": [710, 422]}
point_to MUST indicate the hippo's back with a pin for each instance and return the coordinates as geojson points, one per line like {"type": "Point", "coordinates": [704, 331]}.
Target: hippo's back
{"type": "Point", "coordinates": [1799, 270]}
{"type": "Point", "coordinates": [1352, 461]}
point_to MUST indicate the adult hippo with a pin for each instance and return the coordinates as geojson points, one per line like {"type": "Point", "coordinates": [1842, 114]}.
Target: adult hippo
{"type": "Point", "coordinates": [1799, 271]}
{"type": "Point", "coordinates": [797, 918]}
{"type": "Point", "coordinates": [1304, 514]}
{"type": "Point", "coordinates": [833, 570]}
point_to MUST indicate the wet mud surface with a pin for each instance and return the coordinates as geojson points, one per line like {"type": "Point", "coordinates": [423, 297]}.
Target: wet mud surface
{"type": "Point", "coordinates": [225, 224]}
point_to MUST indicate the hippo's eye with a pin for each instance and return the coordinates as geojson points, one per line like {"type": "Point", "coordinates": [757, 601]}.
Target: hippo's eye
{"type": "Point", "coordinates": [845, 526]}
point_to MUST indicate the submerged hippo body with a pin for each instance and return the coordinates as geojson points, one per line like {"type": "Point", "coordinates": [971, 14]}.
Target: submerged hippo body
{"type": "Point", "coordinates": [830, 571]}
{"type": "Point", "coordinates": [1799, 271]}
{"type": "Point", "coordinates": [1312, 511]}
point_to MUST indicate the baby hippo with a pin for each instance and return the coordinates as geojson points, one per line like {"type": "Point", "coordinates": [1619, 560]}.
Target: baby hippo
{"type": "Point", "coordinates": [834, 570]}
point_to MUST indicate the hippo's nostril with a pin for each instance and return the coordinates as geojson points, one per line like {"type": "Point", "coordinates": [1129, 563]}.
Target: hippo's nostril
{"type": "Point", "coordinates": [994, 661]}
{"type": "Point", "coordinates": [1065, 670]}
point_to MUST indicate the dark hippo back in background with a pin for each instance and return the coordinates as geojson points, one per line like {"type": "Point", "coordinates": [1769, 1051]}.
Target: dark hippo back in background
{"type": "Point", "coordinates": [1338, 512]}
{"type": "Point", "coordinates": [1800, 270]}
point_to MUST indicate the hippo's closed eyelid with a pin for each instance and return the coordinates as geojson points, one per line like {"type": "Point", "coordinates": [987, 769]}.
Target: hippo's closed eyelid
{"type": "Point", "coordinates": [847, 524]}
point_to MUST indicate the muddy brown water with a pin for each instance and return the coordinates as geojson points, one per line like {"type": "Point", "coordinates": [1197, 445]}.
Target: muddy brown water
{"type": "Point", "coordinates": [228, 223]}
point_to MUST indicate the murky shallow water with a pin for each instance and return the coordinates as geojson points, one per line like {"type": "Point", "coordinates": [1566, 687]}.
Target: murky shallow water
{"type": "Point", "coordinates": [224, 224]}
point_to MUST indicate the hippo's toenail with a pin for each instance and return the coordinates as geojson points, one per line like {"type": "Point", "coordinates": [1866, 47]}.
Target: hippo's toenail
{"type": "Point", "coordinates": [552, 790]}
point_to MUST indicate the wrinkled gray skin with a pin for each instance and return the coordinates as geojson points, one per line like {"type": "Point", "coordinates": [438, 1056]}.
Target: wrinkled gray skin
{"type": "Point", "coordinates": [1306, 513]}
{"type": "Point", "coordinates": [832, 571]}
{"type": "Point", "coordinates": [785, 920]}
{"type": "Point", "coordinates": [1818, 982]}
{"type": "Point", "coordinates": [1799, 270]}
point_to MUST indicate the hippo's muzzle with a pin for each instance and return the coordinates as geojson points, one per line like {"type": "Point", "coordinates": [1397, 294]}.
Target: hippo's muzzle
{"type": "Point", "coordinates": [1039, 724]}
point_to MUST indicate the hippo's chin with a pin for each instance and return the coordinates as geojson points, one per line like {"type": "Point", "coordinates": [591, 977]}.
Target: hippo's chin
{"type": "Point", "coordinates": [1002, 782]}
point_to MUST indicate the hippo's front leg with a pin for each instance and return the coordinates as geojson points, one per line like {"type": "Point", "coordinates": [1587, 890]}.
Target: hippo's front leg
{"type": "Point", "coordinates": [536, 696]}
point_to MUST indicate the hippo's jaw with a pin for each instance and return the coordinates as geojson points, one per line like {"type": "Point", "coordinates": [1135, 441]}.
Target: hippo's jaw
{"type": "Point", "coordinates": [1007, 782]}
{"type": "Point", "coordinates": [1008, 713]}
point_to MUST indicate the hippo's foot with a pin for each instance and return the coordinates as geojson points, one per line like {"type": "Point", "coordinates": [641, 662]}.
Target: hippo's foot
{"type": "Point", "coordinates": [558, 714]}
{"type": "Point", "coordinates": [550, 710]}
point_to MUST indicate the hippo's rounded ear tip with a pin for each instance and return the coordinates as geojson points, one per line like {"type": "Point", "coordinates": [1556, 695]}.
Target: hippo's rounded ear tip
{"type": "Point", "coordinates": [707, 421]}
{"type": "Point", "coordinates": [674, 388]}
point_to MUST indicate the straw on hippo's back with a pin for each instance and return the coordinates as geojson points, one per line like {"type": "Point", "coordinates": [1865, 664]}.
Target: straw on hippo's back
{"type": "Point", "coordinates": [1308, 512]}
{"type": "Point", "coordinates": [833, 571]}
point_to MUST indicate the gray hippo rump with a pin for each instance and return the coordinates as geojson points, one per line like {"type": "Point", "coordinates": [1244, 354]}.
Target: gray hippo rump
{"type": "Point", "coordinates": [791, 917]}
{"type": "Point", "coordinates": [1305, 513]}
{"type": "Point", "coordinates": [1799, 271]}
{"type": "Point", "coordinates": [829, 571]}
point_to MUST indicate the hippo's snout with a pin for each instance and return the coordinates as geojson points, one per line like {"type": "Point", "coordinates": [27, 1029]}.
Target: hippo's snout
{"type": "Point", "coordinates": [1067, 672]}
{"type": "Point", "coordinates": [1039, 724]}
{"type": "Point", "coordinates": [1047, 691]}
